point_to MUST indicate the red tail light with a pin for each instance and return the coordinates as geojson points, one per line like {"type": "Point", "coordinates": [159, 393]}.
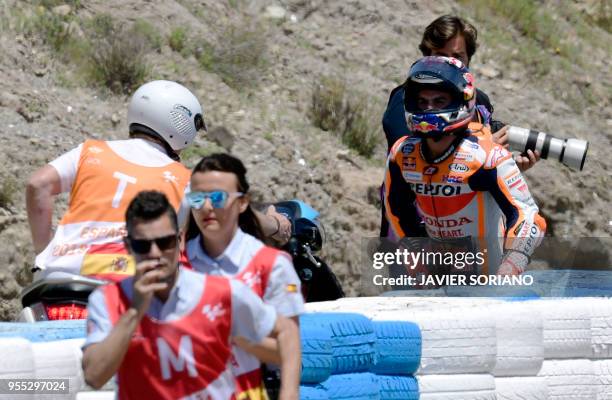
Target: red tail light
{"type": "Point", "coordinates": [66, 311]}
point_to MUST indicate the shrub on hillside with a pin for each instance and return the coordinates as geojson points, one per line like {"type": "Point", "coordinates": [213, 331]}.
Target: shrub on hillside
{"type": "Point", "coordinates": [327, 104]}
{"type": "Point", "coordinates": [8, 189]}
{"type": "Point", "coordinates": [238, 55]}
{"type": "Point", "coordinates": [177, 40]}
{"type": "Point", "coordinates": [46, 27]}
{"type": "Point", "coordinates": [116, 55]}
{"type": "Point", "coordinates": [347, 113]}
{"type": "Point", "coordinates": [144, 29]}
{"type": "Point", "coordinates": [55, 3]}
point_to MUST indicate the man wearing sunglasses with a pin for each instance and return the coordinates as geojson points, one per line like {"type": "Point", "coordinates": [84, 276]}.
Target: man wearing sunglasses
{"type": "Point", "coordinates": [102, 177]}
{"type": "Point", "coordinates": [166, 331]}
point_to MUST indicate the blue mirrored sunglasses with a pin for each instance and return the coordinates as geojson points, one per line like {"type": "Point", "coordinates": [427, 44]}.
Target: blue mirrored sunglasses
{"type": "Point", "coordinates": [218, 198]}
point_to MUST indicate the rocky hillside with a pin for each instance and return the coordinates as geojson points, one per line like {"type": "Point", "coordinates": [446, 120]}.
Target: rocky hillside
{"type": "Point", "coordinates": [263, 68]}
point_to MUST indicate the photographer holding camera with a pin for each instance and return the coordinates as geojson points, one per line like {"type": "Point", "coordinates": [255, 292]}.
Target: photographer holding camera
{"type": "Point", "coordinates": [451, 36]}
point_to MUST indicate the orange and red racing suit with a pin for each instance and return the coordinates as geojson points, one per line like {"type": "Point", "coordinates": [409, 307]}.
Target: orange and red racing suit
{"type": "Point", "coordinates": [474, 190]}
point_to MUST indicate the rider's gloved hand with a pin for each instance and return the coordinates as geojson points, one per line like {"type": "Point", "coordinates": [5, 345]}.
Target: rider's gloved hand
{"type": "Point", "coordinates": [514, 263]}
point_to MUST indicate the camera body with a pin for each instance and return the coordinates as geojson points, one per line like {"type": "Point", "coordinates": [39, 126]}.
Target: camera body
{"type": "Point", "coordinates": [571, 152]}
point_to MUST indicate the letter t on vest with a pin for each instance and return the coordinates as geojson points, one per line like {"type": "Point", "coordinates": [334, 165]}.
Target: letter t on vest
{"type": "Point", "coordinates": [185, 356]}
{"type": "Point", "coordinates": [123, 182]}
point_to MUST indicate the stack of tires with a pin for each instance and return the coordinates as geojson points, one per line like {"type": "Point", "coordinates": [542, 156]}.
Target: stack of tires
{"type": "Point", "coordinates": [577, 333]}
{"type": "Point", "coordinates": [365, 360]}
{"type": "Point", "coordinates": [556, 348]}
{"type": "Point", "coordinates": [43, 350]}
{"type": "Point", "coordinates": [458, 352]}
{"type": "Point", "coordinates": [399, 348]}
{"type": "Point", "coordinates": [577, 341]}
{"type": "Point", "coordinates": [398, 356]}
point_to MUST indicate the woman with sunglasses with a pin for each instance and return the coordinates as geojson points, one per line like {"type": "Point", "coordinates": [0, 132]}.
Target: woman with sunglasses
{"type": "Point", "coordinates": [223, 240]}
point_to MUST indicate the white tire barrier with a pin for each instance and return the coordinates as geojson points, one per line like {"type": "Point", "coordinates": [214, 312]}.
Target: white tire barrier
{"type": "Point", "coordinates": [520, 348]}
{"type": "Point", "coordinates": [369, 306]}
{"type": "Point", "coordinates": [521, 388]}
{"type": "Point", "coordinates": [569, 379]}
{"type": "Point", "coordinates": [454, 387]}
{"type": "Point", "coordinates": [16, 361]}
{"type": "Point", "coordinates": [601, 327]}
{"type": "Point", "coordinates": [566, 328]}
{"type": "Point", "coordinates": [59, 359]}
{"type": "Point", "coordinates": [458, 341]}
{"type": "Point", "coordinates": [603, 379]}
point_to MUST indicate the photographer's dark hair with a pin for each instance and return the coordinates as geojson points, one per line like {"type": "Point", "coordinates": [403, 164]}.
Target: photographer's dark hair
{"type": "Point", "coordinates": [223, 162]}
{"type": "Point", "coordinates": [148, 206]}
{"type": "Point", "coordinates": [445, 28]}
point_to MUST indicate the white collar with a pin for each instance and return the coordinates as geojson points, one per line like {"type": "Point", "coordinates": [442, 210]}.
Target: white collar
{"type": "Point", "coordinates": [153, 144]}
{"type": "Point", "coordinates": [231, 253]}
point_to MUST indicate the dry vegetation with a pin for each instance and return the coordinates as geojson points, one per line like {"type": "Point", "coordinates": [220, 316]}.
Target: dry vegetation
{"type": "Point", "coordinates": [293, 93]}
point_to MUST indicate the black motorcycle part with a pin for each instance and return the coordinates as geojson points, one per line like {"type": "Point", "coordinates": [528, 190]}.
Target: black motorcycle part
{"type": "Point", "coordinates": [321, 285]}
{"type": "Point", "coordinates": [58, 293]}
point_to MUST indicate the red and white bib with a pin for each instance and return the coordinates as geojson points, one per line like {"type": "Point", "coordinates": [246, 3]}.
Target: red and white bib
{"type": "Point", "coordinates": [186, 358]}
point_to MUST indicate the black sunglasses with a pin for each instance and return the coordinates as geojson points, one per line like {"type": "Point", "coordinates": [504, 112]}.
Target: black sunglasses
{"type": "Point", "coordinates": [143, 246]}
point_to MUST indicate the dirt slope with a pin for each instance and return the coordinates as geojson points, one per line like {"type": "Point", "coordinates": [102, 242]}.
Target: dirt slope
{"type": "Point", "coordinates": [46, 108]}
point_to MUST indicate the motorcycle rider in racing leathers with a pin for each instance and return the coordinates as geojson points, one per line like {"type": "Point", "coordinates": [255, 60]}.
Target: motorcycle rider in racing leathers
{"type": "Point", "coordinates": [452, 178]}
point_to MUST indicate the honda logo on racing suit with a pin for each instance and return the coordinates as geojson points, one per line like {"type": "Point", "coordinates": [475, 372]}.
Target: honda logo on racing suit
{"type": "Point", "coordinates": [447, 223]}
{"type": "Point", "coordinates": [434, 189]}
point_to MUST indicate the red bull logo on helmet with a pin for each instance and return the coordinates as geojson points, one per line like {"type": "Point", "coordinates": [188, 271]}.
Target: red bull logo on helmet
{"type": "Point", "coordinates": [425, 126]}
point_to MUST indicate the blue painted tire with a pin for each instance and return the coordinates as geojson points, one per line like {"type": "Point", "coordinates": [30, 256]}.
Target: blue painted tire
{"type": "Point", "coordinates": [398, 347]}
{"type": "Point", "coordinates": [317, 353]}
{"type": "Point", "coordinates": [360, 386]}
{"type": "Point", "coordinates": [398, 387]}
{"type": "Point", "coordinates": [313, 392]}
{"type": "Point", "coordinates": [44, 331]}
{"type": "Point", "coordinates": [353, 340]}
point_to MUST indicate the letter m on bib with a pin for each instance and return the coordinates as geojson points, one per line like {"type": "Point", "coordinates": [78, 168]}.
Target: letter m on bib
{"type": "Point", "coordinates": [168, 359]}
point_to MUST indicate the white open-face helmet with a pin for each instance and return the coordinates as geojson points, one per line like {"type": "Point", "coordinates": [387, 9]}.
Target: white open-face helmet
{"type": "Point", "coordinates": [167, 110]}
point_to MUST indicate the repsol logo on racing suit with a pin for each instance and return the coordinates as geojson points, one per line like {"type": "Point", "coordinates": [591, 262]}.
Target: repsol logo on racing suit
{"type": "Point", "coordinates": [434, 189]}
{"type": "Point", "coordinates": [532, 239]}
